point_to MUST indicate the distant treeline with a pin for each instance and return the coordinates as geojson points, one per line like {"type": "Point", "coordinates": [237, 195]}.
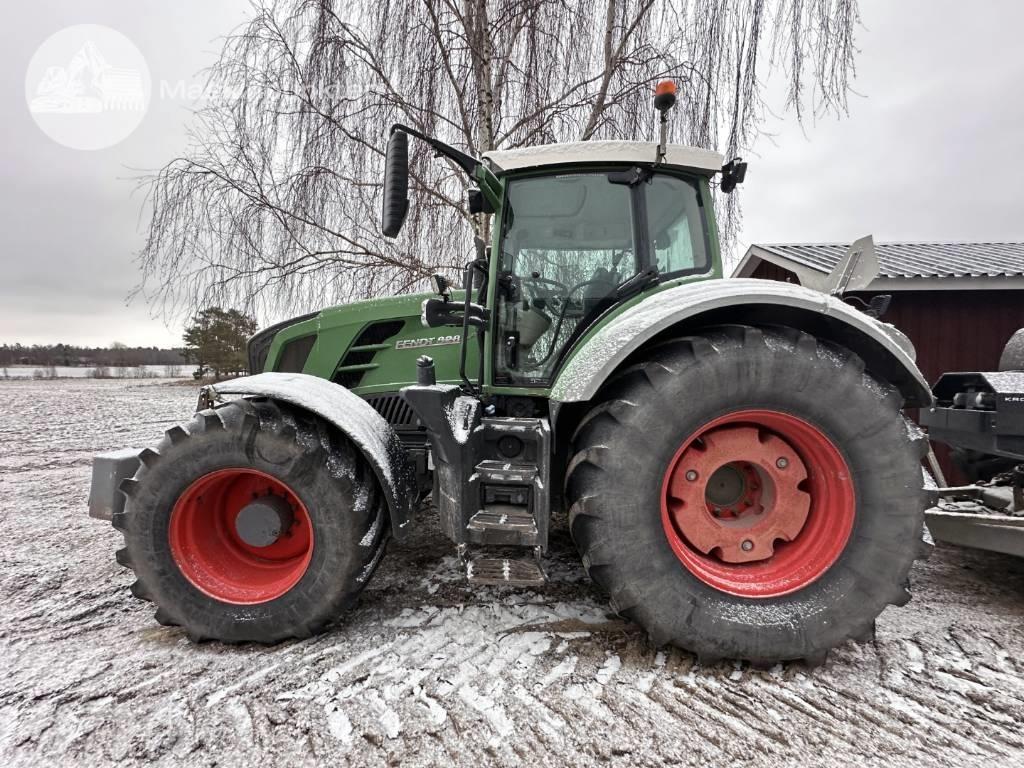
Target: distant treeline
{"type": "Point", "coordinates": [116, 355]}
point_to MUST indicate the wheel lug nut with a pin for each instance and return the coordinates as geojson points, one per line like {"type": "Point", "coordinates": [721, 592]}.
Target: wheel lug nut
{"type": "Point", "coordinates": [747, 545]}
{"type": "Point", "coordinates": [782, 462]}
{"type": "Point", "coordinates": [691, 475]}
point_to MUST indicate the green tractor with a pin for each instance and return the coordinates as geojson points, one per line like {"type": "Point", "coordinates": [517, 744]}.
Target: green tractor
{"type": "Point", "coordinates": [738, 475]}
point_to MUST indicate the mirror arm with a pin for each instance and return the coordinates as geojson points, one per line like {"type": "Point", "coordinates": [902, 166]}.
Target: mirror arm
{"type": "Point", "coordinates": [466, 162]}
{"type": "Point", "coordinates": [478, 316]}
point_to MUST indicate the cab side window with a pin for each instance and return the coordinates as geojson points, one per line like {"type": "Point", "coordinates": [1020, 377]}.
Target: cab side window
{"type": "Point", "coordinates": [676, 225]}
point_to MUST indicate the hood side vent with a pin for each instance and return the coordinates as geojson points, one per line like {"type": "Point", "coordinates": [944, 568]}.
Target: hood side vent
{"type": "Point", "coordinates": [358, 359]}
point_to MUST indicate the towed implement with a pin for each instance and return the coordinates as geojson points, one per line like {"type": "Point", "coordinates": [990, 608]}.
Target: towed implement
{"type": "Point", "coordinates": [737, 471]}
{"type": "Point", "coordinates": [981, 415]}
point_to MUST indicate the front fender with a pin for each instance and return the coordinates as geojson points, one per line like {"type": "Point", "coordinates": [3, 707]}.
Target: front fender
{"type": "Point", "coordinates": [885, 350]}
{"type": "Point", "coordinates": [352, 416]}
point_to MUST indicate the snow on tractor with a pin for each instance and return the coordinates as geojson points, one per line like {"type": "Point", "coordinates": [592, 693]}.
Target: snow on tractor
{"type": "Point", "coordinates": [732, 454]}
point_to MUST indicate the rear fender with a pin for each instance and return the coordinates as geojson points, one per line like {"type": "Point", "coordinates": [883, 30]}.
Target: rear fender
{"type": "Point", "coordinates": [885, 350]}
{"type": "Point", "coordinates": [354, 418]}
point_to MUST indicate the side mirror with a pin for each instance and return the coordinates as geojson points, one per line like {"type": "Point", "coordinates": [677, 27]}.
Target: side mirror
{"type": "Point", "coordinates": [436, 313]}
{"type": "Point", "coordinates": [441, 287]}
{"type": "Point", "coordinates": [396, 184]}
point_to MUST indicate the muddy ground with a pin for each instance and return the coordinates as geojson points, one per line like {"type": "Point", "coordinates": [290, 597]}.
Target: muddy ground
{"type": "Point", "coordinates": [427, 671]}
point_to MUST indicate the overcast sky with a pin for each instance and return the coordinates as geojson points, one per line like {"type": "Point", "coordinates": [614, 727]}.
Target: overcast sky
{"type": "Point", "coordinates": [929, 151]}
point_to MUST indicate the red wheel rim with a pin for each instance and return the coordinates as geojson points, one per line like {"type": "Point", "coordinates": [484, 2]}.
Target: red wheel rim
{"type": "Point", "coordinates": [758, 503]}
{"type": "Point", "coordinates": [211, 553]}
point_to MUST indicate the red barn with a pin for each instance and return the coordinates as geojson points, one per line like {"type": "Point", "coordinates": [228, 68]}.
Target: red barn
{"type": "Point", "coordinates": [958, 302]}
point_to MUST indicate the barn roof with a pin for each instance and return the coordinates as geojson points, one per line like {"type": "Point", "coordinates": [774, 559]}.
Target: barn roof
{"type": "Point", "coordinates": [905, 265]}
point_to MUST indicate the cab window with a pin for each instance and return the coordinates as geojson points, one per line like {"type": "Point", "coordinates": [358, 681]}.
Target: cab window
{"type": "Point", "coordinates": [675, 224]}
{"type": "Point", "coordinates": [567, 245]}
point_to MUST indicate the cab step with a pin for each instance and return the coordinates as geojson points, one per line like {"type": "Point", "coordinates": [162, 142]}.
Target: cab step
{"type": "Point", "coordinates": [500, 524]}
{"type": "Point", "coordinates": [518, 572]}
{"type": "Point", "coordinates": [507, 472]}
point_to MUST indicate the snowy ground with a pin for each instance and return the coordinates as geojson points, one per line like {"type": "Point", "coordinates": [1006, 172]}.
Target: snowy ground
{"type": "Point", "coordinates": [428, 671]}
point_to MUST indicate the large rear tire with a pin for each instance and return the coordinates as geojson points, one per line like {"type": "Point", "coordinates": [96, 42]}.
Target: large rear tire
{"type": "Point", "coordinates": [255, 522]}
{"type": "Point", "coordinates": [749, 494]}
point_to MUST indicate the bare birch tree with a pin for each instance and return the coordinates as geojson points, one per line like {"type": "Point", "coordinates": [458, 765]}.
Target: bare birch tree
{"type": "Point", "coordinates": [274, 208]}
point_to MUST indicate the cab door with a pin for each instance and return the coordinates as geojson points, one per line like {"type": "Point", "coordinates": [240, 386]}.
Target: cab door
{"type": "Point", "coordinates": [574, 245]}
{"type": "Point", "coordinates": [567, 243]}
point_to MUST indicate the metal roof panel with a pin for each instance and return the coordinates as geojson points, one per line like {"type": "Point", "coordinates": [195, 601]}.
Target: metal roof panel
{"type": "Point", "coordinates": [915, 259]}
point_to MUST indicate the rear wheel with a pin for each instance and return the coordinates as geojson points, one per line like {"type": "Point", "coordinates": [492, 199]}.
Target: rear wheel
{"type": "Point", "coordinates": [749, 493]}
{"type": "Point", "coordinates": [256, 522]}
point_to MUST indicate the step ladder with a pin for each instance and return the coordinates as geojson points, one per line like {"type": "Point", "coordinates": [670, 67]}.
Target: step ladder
{"type": "Point", "coordinates": [506, 535]}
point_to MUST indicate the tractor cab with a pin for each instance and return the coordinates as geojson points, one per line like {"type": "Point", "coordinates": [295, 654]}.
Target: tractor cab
{"type": "Point", "coordinates": [574, 236]}
{"type": "Point", "coordinates": [572, 243]}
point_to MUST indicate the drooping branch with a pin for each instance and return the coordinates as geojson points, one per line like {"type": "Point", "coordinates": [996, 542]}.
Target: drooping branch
{"type": "Point", "coordinates": [274, 208]}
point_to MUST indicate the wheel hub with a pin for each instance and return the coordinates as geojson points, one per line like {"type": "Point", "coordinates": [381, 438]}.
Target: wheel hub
{"type": "Point", "coordinates": [727, 486]}
{"type": "Point", "coordinates": [262, 522]}
{"type": "Point", "coordinates": [758, 503]}
{"type": "Point", "coordinates": [743, 493]}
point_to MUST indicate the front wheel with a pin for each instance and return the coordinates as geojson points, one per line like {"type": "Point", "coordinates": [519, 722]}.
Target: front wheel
{"type": "Point", "coordinates": [749, 493]}
{"type": "Point", "coordinates": [255, 522]}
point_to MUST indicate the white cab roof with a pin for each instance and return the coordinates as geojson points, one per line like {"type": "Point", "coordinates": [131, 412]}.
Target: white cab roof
{"type": "Point", "coordinates": [692, 158]}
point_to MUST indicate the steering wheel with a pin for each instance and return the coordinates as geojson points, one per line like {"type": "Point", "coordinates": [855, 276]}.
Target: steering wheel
{"type": "Point", "coordinates": [534, 282]}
